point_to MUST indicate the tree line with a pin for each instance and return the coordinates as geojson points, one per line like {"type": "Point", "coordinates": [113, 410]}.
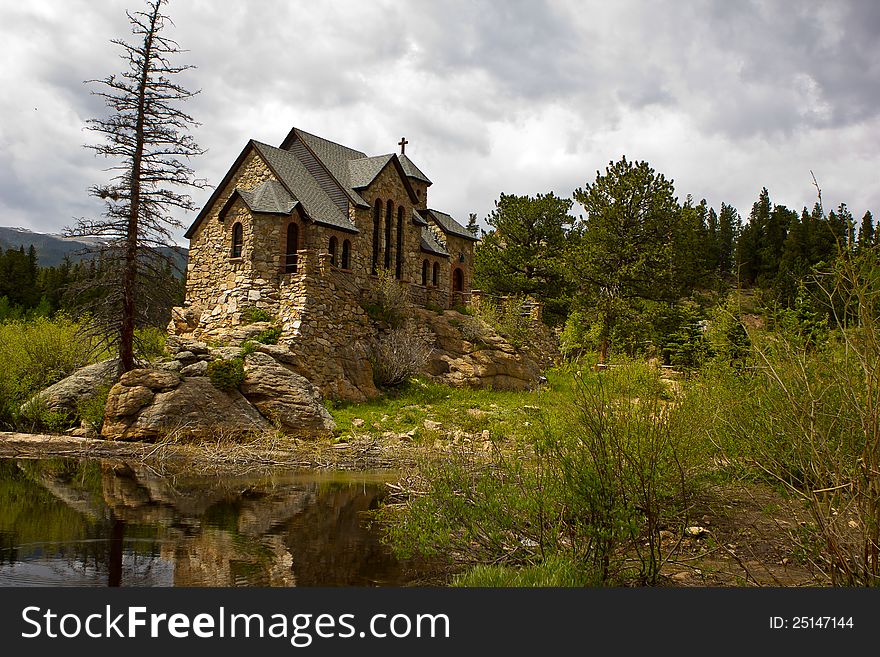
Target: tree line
{"type": "Point", "coordinates": [640, 267]}
{"type": "Point", "coordinates": [28, 290]}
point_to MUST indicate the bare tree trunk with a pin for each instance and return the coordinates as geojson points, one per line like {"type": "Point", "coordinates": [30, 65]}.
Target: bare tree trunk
{"type": "Point", "coordinates": [129, 275]}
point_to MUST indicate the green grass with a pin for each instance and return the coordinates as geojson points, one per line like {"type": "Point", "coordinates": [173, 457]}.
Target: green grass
{"type": "Point", "coordinates": [503, 413]}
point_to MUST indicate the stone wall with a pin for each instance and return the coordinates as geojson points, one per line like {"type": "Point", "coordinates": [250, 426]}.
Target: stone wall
{"type": "Point", "coordinates": [214, 280]}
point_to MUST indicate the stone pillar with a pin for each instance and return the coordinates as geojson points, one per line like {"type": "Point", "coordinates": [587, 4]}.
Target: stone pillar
{"type": "Point", "coordinates": [476, 300]}
{"type": "Point", "coordinates": [324, 263]}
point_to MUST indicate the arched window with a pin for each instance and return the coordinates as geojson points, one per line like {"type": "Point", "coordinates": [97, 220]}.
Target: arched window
{"type": "Point", "coordinates": [389, 218]}
{"type": "Point", "coordinates": [424, 272]}
{"type": "Point", "coordinates": [237, 240]}
{"type": "Point", "coordinates": [292, 247]}
{"type": "Point", "coordinates": [398, 263]}
{"type": "Point", "coordinates": [435, 277]}
{"type": "Point", "coordinates": [377, 220]}
{"type": "Point", "coordinates": [334, 245]}
{"type": "Point", "coordinates": [457, 280]}
{"type": "Point", "coordinates": [346, 254]}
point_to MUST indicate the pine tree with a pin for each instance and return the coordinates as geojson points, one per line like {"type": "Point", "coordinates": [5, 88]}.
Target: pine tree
{"type": "Point", "coordinates": [626, 248]}
{"type": "Point", "coordinates": [867, 236]}
{"type": "Point", "coordinates": [728, 232]}
{"type": "Point", "coordinates": [523, 251]}
{"type": "Point", "coordinates": [146, 137]}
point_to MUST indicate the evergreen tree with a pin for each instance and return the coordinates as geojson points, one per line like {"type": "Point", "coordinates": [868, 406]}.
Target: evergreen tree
{"type": "Point", "coordinates": [728, 232]}
{"type": "Point", "coordinates": [626, 248]}
{"type": "Point", "coordinates": [524, 250]}
{"type": "Point", "coordinates": [713, 252]}
{"type": "Point", "coordinates": [753, 241]}
{"type": "Point", "coordinates": [867, 236]}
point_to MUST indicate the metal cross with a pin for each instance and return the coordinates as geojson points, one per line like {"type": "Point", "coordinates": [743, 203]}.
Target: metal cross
{"type": "Point", "coordinates": [402, 143]}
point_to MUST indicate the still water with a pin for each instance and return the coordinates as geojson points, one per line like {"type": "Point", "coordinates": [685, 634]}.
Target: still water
{"type": "Point", "coordinates": [92, 523]}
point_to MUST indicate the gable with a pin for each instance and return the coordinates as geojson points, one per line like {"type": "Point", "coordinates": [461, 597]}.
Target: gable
{"type": "Point", "coordinates": [390, 171]}
{"type": "Point", "coordinates": [248, 170]}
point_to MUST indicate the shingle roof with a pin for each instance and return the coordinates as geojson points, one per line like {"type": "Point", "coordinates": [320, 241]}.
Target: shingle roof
{"type": "Point", "coordinates": [304, 188]}
{"type": "Point", "coordinates": [418, 219]}
{"type": "Point", "coordinates": [450, 226]}
{"type": "Point", "coordinates": [364, 170]}
{"type": "Point", "coordinates": [412, 170]}
{"type": "Point", "coordinates": [270, 197]}
{"type": "Point", "coordinates": [333, 156]}
{"type": "Point", "coordinates": [431, 244]}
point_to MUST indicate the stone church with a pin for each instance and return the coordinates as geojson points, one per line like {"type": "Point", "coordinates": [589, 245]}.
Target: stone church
{"type": "Point", "coordinates": [305, 232]}
{"type": "Point", "coordinates": [313, 203]}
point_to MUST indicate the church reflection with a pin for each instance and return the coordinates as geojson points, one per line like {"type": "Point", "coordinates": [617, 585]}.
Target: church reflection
{"type": "Point", "coordinates": [90, 523]}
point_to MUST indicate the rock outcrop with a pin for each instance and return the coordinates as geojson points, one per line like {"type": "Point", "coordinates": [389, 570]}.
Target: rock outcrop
{"type": "Point", "coordinates": [176, 397]}
{"type": "Point", "coordinates": [66, 395]}
{"type": "Point", "coordinates": [468, 352]}
{"type": "Point", "coordinates": [191, 406]}
{"type": "Point", "coordinates": [287, 398]}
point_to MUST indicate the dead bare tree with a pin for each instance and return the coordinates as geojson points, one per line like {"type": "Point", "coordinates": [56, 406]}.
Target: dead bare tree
{"type": "Point", "coordinates": [147, 136]}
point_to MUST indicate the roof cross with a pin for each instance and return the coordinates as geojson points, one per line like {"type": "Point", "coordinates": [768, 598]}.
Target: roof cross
{"type": "Point", "coordinates": [402, 143]}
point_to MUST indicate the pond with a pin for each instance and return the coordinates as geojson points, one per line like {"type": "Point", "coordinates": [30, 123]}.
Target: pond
{"type": "Point", "coordinates": [67, 522]}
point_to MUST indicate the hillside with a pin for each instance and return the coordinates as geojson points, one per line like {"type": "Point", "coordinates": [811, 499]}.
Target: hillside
{"type": "Point", "coordinates": [52, 247]}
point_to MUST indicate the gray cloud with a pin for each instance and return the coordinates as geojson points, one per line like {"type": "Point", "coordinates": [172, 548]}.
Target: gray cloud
{"type": "Point", "coordinates": [521, 97]}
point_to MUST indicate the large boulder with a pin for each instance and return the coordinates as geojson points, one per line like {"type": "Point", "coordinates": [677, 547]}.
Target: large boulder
{"type": "Point", "coordinates": [66, 395]}
{"type": "Point", "coordinates": [284, 396]}
{"type": "Point", "coordinates": [469, 353]}
{"type": "Point", "coordinates": [193, 407]}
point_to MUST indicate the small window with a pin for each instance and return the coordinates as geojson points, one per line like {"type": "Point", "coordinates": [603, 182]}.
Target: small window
{"type": "Point", "coordinates": [346, 254]}
{"type": "Point", "coordinates": [290, 256]}
{"type": "Point", "coordinates": [435, 278]}
{"type": "Point", "coordinates": [424, 272]}
{"type": "Point", "coordinates": [237, 240]}
{"type": "Point", "coordinates": [334, 245]}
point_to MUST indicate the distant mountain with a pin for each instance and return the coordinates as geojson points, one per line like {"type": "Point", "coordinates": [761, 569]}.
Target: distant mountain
{"type": "Point", "coordinates": [51, 247]}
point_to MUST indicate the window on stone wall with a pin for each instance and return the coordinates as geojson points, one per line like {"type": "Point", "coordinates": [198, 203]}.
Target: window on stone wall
{"type": "Point", "coordinates": [377, 222]}
{"type": "Point", "coordinates": [334, 246]}
{"type": "Point", "coordinates": [435, 278]}
{"type": "Point", "coordinates": [237, 240]}
{"type": "Point", "coordinates": [389, 219]}
{"type": "Point", "coordinates": [398, 263]}
{"type": "Point", "coordinates": [346, 254]}
{"type": "Point", "coordinates": [290, 255]}
{"type": "Point", "coordinates": [424, 272]}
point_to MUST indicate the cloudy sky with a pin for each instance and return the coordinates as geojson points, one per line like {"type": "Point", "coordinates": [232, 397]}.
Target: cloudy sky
{"type": "Point", "coordinates": [520, 97]}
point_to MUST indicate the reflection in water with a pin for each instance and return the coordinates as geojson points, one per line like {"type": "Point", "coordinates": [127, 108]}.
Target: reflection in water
{"type": "Point", "coordinates": [88, 523]}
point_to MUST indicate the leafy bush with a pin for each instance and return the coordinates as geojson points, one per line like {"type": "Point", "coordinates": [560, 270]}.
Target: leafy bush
{"type": "Point", "coordinates": [91, 409]}
{"type": "Point", "coordinates": [150, 342]}
{"type": "Point", "coordinates": [253, 314]}
{"type": "Point", "coordinates": [36, 353]}
{"type": "Point", "coordinates": [226, 374]}
{"type": "Point", "coordinates": [269, 336]}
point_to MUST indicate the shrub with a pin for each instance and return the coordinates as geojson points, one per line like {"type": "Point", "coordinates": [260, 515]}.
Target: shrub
{"type": "Point", "coordinates": [508, 319]}
{"type": "Point", "coordinates": [253, 314]}
{"type": "Point", "coordinates": [589, 486]}
{"type": "Point", "coordinates": [150, 342]}
{"type": "Point", "coordinates": [35, 354]}
{"type": "Point", "coordinates": [226, 374]}
{"type": "Point", "coordinates": [269, 336]}
{"type": "Point", "coordinates": [390, 304]}
{"type": "Point", "coordinates": [398, 354]}
{"type": "Point", "coordinates": [91, 409]}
